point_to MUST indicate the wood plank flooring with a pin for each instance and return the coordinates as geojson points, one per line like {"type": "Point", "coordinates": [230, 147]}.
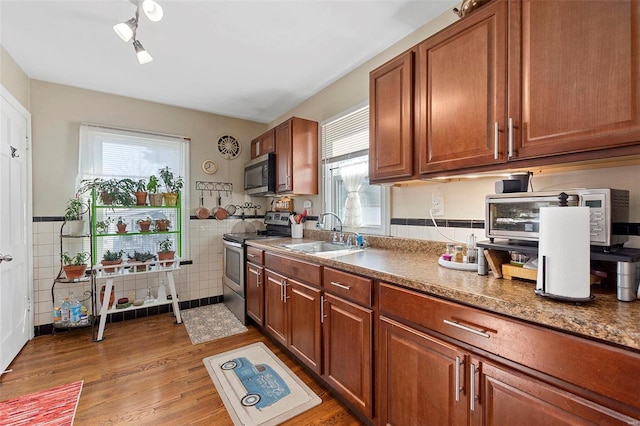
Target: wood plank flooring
{"type": "Point", "coordinates": [146, 372]}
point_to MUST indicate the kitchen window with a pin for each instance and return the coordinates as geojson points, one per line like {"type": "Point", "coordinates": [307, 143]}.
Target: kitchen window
{"type": "Point", "coordinates": [362, 207]}
{"type": "Point", "coordinates": [107, 152]}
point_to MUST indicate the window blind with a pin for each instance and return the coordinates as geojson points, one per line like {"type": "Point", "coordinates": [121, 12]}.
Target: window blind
{"type": "Point", "coordinates": [346, 136]}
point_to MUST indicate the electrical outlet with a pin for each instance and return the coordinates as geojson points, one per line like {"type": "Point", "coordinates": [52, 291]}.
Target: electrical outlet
{"type": "Point", "coordinates": [437, 205]}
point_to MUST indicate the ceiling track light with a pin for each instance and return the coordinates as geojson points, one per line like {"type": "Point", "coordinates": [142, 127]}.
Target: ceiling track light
{"type": "Point", "coordinates": [127, 30]}
{"type": "Point", "coordinates": [143, 56]}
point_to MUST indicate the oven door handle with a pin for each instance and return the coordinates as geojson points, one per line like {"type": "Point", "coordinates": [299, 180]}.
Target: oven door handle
{"type": "Point", "coordinates": [231, 243]}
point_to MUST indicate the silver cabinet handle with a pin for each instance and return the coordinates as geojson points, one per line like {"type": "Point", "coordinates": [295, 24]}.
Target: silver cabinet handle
{"type": "Point", "coordinates": [466, 328]}
{"type": "Point", "coordinates": [322, 315]}
{"type": "Point", "coordinates": [259, 274]}
{"type": "Point", "coordinates": [458, 388]}
{"type": "Point", "coordinates": [342, 286]}
{"type": "Point", "coordinates": [495, 141]}
{"type": "Point", "coordinates": [510, 151]}
{"type": "Point", "coordinates": [6, 258]}
{"type": "Point", "coordinates": [472, 388]}
{"type": "Point", "coordinates": [282, 290]}
{"type": "Point", "coordinates": [251, 255]}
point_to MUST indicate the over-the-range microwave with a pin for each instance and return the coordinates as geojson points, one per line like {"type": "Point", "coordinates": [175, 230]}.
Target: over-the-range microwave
{"type": "Point", "coordinates": [517, 215]}
{"type": "Point", "coordinates": [260, 175]}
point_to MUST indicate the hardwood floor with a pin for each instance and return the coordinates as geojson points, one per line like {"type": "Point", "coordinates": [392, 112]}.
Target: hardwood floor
{"type": "Point", "coordinates": [146, 371]}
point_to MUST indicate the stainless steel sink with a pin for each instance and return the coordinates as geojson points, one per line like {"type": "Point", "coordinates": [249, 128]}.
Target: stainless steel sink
{"type": "Point", "coordinates": [324, 249]}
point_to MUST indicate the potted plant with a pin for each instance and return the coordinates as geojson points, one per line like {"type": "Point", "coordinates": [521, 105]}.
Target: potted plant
{"type": "Point", "coordinates": [73, 216]}
{"type": "Point", "coordinates": [162, 225]}
{"type": "Point", "coordinates": [144, 224]}
{"type": "Point", "coordinates": [172, 185]}
{"type": "Point", "coordinates": [122, 225]}
{"type": "Point", "coordinates": [141, 192]}
{"type": "Point", "coordinates": [111, 258]}
{"type": "Point", "coordinates": [74, 266]}
{"type": "Point", "coordinates": [155, 198]}
{"type": "Point", "coordinates": [166, 251]}
{"type": "Point", "coordinates": [102, 226]}
{"type": "Point", "coordinates": [111, 191]}
{"type": "Point", "coordinates": [138, 259]}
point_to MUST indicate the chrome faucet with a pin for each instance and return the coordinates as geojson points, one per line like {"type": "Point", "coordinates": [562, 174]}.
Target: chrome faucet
{"type": "Point", "coordinates": [320, 222]}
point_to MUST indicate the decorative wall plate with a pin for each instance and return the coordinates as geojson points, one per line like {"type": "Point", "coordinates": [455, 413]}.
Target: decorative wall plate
{"type": "Point", "coordinates": [229, 147]}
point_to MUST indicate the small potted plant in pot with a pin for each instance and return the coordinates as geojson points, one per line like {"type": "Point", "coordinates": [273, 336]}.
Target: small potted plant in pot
{"type": "Point", "coordinates": [138, 260]}
{"type": "Point", "coordinates": [121, 225]}
{"type": "Point", "coordinates": [111, 258]}
{"type": "Point", "coordinates": [155, 198]}
{"type": "Point", "coordinates": [144, 224]}
{"type": "Point", "coordinates": [73, 216]}
{"type": "Point", "coordinates": [74, 266]}
{"type": "Point", "coordinates": [141, 192]}
{"type": "Point", "coordinates": [102, 226]}
{"type": "Point", "coordinates": [172, 185]}
{"type": "Point", "coordinates": [166, 251]}
{"type": "Point", "coordinates": [162, 225]}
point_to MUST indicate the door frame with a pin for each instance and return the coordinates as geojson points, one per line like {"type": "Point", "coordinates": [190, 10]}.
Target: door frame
{"type": "Point", "coordinates": [5, 94]}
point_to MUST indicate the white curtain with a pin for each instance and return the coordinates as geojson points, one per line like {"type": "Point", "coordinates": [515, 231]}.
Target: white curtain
{"type": "Point", "coordinates": [353, 177]}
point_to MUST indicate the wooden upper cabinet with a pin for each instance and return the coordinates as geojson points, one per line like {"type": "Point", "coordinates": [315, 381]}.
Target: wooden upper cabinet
{"type": "Point", "coordinates": [462, 78]}
{"type": "Point", "coordinates": [296, 142]}
{"type": "Point", "coordinates": [263, 144]}
{"type": "Point", "coordinates": [391, 119]}
{"type": "Point", "coordinates": [574, 76]}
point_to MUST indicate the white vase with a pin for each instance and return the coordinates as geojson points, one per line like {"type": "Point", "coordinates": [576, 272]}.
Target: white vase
{"type": "Point", "coordinates": [75, 227]}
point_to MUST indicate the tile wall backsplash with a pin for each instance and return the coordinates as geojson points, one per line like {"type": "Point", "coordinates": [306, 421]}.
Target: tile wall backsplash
{"type": "Point", "coordinates": [200, 279]}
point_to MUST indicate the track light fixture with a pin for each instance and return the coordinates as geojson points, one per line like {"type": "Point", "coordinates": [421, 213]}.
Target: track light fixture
{"type": "Point", "coordinates": [127, 30]}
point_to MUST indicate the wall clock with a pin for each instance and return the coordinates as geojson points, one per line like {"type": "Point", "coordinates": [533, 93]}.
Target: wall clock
{"type": "Point", "coordinates": [229, 147]}
{"type": "Point", "coordinates": [209, 167]}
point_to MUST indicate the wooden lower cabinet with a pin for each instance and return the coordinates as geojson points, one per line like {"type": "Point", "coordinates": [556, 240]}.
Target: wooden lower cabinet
{"type": "Point", "coordinates": [348, 351]}
{"type": "Point", "coordinates": [275, 309]}
{"type": "Point", "coordinates": [416, 378]}
{"type": "Point", "coordinates": [292, 317]}
{"type": "Point", "coordinates": [507, 397]}
{"type": "Point", "coordinates": [425, 380]}
{"type": "Point", "coordinates": [255, 292]}
{"type": "Point", "coordinates": [305, 326]}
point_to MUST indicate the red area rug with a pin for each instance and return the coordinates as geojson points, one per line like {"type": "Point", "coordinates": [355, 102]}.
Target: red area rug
{"type": "Point", "coordinates": [56, 406]}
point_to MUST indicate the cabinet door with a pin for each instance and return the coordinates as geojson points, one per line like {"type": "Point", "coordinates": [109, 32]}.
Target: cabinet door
{"type": "Point", "coordinates": [255, 293]}
{"type": "Point", "coordinates": [305, 328]}
{"type": "Point", "coordinates": [263, 144]}
{"type": "Point", "coordinates": [511, 398]}
{"type": "Point", "coordinates": [420, 378]}
{"type": "Point", "coordinates": [391, 119]}
{"type": "Point", "coordinates": [275, 320]}
{"type": "Point", "coordinates": [347, 325]}
{"type": "Point", "coordinates": [575, 75]}
{"type": "Point", "coordinates": [462, 93]}
{"type": "Point", "coordinates": [283, 157]}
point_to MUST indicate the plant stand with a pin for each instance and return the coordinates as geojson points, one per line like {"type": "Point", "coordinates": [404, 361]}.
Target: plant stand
{"type": "Point", "coordinates": [152, 267]}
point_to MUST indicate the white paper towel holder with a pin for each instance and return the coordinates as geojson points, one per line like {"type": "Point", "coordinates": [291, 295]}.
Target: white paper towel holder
{"type": "Point", "coordinates": [543, 293]}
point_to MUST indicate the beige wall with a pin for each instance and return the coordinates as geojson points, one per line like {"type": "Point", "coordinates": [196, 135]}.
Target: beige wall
{"type": "Point", "coordinates": [58, 110]}
{"type": "Point", "coordinates": [13, 78]}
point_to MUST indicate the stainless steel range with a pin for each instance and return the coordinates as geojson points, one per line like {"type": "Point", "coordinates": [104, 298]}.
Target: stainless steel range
{"type": "Point", "coordinates": [234, 256]}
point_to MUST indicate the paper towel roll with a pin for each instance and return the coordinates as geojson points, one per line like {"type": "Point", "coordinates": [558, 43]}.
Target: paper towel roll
{"type": "Point", "coordinates": [564, 253]}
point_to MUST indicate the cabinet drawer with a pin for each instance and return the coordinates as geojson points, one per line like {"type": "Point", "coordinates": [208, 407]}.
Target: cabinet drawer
{"type": "Point", "coordinates": [309, 273]}
{"type": "Point", "coordinates": [573, 359]}
{"type": "Point", "coordinates": [255, 255]}
{"type": "Point", "coordinates": [349, 286]}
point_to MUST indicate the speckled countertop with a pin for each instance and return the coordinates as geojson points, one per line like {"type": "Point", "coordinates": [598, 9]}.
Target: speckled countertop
{"type": "Point", "coordinates": [416, 266]}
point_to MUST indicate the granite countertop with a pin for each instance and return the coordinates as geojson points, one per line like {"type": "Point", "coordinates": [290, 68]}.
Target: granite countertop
{"type": "Point", "coordinates": [605, 319]}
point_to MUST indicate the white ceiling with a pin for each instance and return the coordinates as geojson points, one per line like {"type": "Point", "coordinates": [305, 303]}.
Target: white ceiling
{"type": "Point", "coordinates": [248, 59]}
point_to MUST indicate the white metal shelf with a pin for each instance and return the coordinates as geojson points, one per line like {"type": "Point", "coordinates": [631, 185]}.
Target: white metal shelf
{"type": "Point", "coordinates": [127, 269]}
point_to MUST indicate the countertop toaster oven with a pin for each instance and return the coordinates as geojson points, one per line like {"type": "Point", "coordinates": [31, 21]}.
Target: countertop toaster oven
{"type": "Point", "coordinates": [517, 215]}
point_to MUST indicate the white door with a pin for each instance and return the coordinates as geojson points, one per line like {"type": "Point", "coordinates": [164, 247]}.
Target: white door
{"type": "Point", "coordinates": [16, 282]}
